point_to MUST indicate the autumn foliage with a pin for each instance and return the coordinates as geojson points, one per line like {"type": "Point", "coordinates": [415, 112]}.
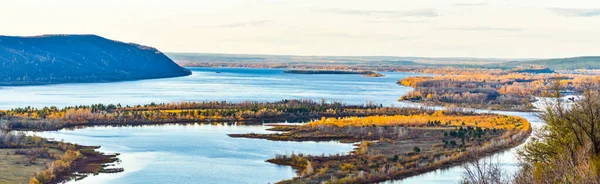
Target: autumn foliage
{"type": "Point", "coordinates": [245, 112]}
{"type": "Point", "coordinates": [489, 89]}
{"type": "Point", "coordinates": [436, 119]}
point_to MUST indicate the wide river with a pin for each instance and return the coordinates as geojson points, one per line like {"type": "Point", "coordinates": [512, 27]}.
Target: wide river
{"type": "Point", "coordinates": [204, 153]}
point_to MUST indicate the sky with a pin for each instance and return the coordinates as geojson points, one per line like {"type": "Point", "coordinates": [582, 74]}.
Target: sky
{"type": "Point", "coordinates": [427, 28]}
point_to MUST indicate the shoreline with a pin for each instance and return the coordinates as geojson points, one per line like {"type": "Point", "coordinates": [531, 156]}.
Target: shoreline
{"type": "Point", "coordinates": [92, 163]}
{"type": "Point", "coordinates": [53, 161]}
{"type": "Point", "coordinates": [92, 82]}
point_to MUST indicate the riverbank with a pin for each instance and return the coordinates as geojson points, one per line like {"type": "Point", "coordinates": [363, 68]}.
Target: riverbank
{"type": "Point", "coordinates": [50, 161]}
{"type": "Point", "coordinates": [91, 162]}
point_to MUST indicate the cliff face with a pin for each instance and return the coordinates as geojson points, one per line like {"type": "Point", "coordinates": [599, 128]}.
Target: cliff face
{"type": "Point", "coordinates": [79, 58]}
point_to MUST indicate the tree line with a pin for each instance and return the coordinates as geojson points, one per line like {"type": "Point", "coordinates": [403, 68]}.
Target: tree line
{"type": "Point", "coordinates": [491, 89]}
{"type": "Point", "coordinates": [51, 118]}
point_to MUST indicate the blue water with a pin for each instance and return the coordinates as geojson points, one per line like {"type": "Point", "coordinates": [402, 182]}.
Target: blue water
{"type": "Point", "coordinates": [230, 84]}
{"type": "Point", "coordinates": [192, 153]}
{"type": "Point", "coordinates": [204, 153]}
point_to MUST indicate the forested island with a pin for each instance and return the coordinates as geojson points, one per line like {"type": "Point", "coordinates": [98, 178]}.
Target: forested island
{"type": "Point", "coordinates": [52, 59]}
{"type": "Point", "coordinates": [52, 118]}
{"type": "Point", "coordinates": [336, 72]}
{"type": "Point", "coordinates": [396, 147]}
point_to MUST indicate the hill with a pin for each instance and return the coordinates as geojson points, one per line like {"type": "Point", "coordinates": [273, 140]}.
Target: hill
{"type": "Point", "coordinates": [51, 59]}
{"type": "Point", "coordinates": [195, 59]}
{"type": "Point", "coordinates": [586, 62]}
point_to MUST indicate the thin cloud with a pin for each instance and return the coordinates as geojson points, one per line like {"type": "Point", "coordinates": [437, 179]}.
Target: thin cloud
{"type": "Point", "coordinates": [528, 35]}
{"type": "Point", "coordinates": [420, 21]}
{"type": "Point", "coordinates": [263, 39]}
{"type": "Point", "coordinates": [367, 37]}
{"type": "Point", "coordinates": [245, 24]}
{"type": "Point", "coordinates": [484, 28]}
{"type": "Point", "coordinates": [470, 4]}
{"type": "Point", "coordinates": [389, 13]}
{"type": "Point", "coordinates": [571, 12]}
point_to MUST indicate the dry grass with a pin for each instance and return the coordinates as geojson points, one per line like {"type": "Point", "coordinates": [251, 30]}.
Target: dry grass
{"type": "Point", "coordinates": [16, 169]}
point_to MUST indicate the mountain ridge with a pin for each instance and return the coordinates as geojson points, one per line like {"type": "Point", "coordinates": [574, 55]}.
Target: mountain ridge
{"type": "Point", "coordinates": [52, 59]}
{"type": "Point", "coordinates": [569, 63]}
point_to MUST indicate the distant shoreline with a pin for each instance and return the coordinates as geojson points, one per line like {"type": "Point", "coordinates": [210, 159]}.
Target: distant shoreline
{"type": "Point", "coordinates": [11, 84]}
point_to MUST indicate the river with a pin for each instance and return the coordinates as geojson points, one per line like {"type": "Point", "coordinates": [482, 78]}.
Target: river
{"type": "Point", "coordinates": [192, 153]}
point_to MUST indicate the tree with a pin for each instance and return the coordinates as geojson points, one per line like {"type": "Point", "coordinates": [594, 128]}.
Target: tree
{"type": "Point", "coordinates": [570, 139]}
{"type": "Point", "coordinates": [417, 149]}
{"type": "Point", "coordinates": [34, 181]}
{"type": "Point", "coordinates": [483, 171]}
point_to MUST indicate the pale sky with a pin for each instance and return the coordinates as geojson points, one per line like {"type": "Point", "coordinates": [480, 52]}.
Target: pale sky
{"type": "Point", "coordinates": [434, 28]}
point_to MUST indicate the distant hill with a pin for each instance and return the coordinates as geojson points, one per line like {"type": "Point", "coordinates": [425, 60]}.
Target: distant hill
{"type": "Point", "coordinates": [534, 70]}
{"type": "Point", "coordinates": [53, 59]}
{"type": "Point", "coordinates": [586, 62]}
{"type": "Point", "coordinates": [191, 59]}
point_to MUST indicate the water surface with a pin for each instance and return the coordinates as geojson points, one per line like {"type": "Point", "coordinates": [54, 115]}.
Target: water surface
{"type": "Point", "coordinates": [190, 154]}
{"type": "Point", "coordinates": [207, 84]}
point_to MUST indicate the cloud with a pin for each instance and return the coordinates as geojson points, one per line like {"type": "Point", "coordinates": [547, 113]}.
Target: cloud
{"type": "Point", "coordinates": [469, 4]}
{"type": "Point", "coordinates": [367, 37]}
{"type": "Point", "coordinates": [420, 21]}
{"type": "Point", "coordinates": [245, 24]}
{"type": "Point", "coordinates": [536, 35]}
{"type": "Point", "coordinates": [571, 12]}
{"type": "Point", "coordinates": [484, 28]}
{"type": "Point", "coordinates": [389, 13]}
{"type": "Point", "coordinates": [263, 39]}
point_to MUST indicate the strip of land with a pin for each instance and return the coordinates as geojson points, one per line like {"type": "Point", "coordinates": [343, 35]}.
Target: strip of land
{"type": "Point", "coordinates": [52, 118]}
{"type": "Point", "coordinates": [396, 147]}
{"type": "Point", "coordinates": [32, 159]}
{"type": "Point", "coordinates": [337, 72]}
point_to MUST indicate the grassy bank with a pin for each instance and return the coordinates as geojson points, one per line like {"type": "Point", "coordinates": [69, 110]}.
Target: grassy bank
{"type": "Point", "coordinates": [37, 160]}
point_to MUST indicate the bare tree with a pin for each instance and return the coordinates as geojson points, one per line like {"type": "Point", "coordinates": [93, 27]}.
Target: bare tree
{"type": "Point", "coordinates": [484, 171]}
